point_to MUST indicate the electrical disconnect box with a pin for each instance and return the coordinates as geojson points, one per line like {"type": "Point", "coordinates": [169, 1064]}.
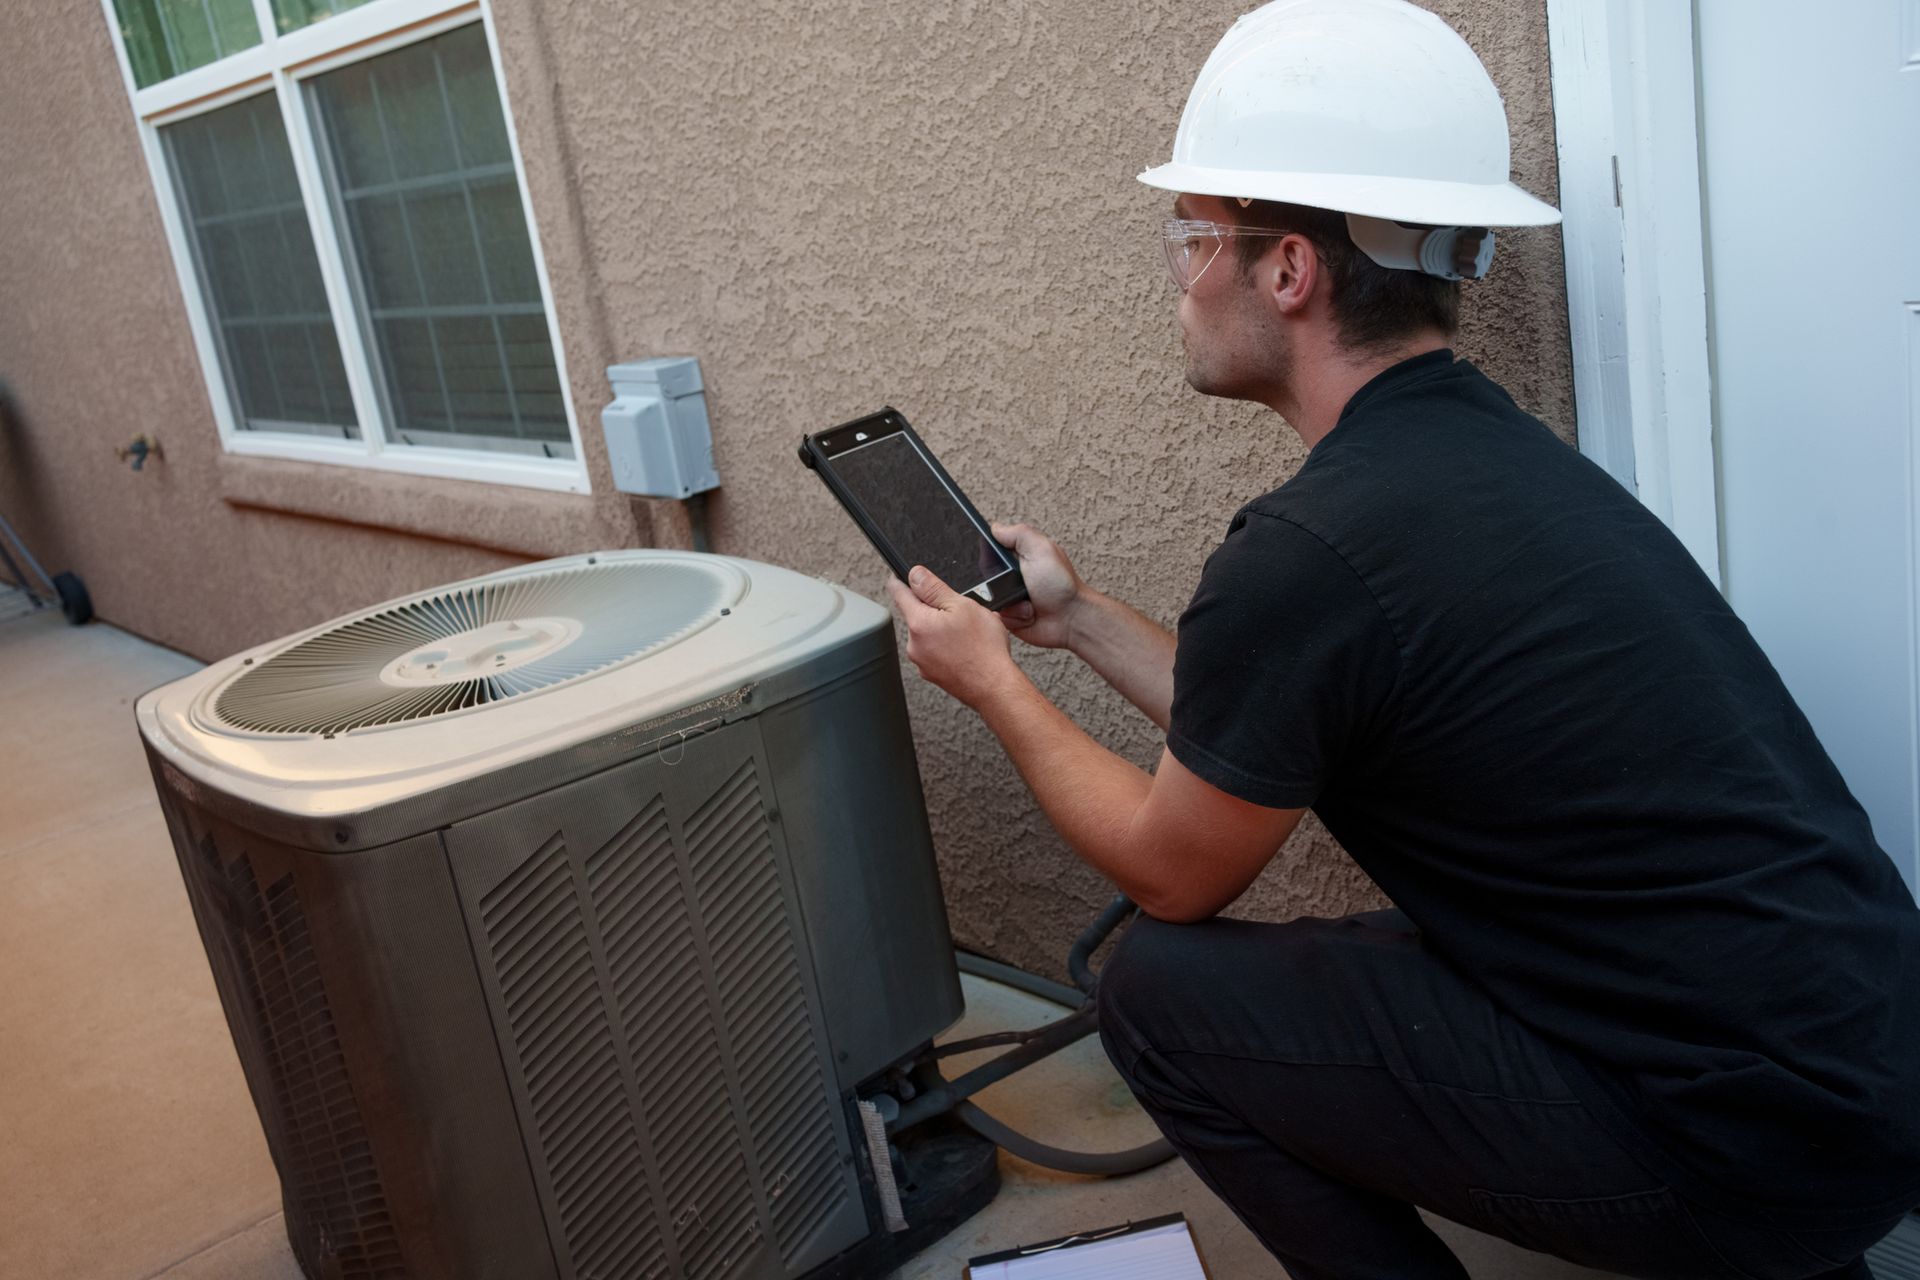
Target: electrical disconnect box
{"type": "Point", "coordinates": [658, 438]}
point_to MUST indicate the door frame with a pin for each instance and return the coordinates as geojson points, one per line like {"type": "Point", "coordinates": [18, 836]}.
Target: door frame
{"type": "Point", "coordinates": [1626, 126]}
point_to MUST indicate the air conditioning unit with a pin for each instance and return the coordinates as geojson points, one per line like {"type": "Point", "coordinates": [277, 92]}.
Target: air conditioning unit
{"type": "Point", "coordinates": [559, 914]}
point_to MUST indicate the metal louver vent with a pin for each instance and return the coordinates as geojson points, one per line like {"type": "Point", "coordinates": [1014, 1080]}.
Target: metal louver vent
{"type": "Point", "coordinates": [757, 969]}
{"type": "Point", "coordinates": [659, 988]}
{"type": "Point", "coordinates": [463, 647]}
{"type": "Point", "coordinates": [337, 1217]}
{"type": "Point", "coordinates": [562, 1037]}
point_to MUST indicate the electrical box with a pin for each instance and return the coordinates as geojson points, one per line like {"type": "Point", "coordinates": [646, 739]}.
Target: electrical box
{"type": "Point", "coordinates": [658, 438]}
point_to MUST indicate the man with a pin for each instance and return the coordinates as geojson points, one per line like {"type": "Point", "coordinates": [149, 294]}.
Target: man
{"type": "Point", "coordinates": [1650, 999]}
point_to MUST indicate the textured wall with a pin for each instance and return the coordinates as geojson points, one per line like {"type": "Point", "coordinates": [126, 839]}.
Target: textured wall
{"type": "Point", "coordinates": [835, 204]}
{"type": "Point", "coordinates": [845, 203]}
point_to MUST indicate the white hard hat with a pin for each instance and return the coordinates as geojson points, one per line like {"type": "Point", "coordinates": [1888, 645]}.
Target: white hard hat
{"type": "Point", "coordinates": [1371, 107]}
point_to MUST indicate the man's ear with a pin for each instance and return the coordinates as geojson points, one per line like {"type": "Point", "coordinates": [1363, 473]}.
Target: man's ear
{"type": "Point", "coordinates": [1295, 275]}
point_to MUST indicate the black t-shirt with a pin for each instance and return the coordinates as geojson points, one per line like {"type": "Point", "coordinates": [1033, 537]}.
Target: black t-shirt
{"type": "Point", "coordinates": [1513, 697]}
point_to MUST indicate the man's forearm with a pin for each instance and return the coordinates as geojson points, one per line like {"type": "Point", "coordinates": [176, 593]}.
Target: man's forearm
{"type": "Point", "coordinates": [1131, 652]}
{"type": "Point", "coordinates": [1089, 794]}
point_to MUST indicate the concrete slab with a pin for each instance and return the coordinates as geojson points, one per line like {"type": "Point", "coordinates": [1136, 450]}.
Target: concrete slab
{"type": "Point", "coordinates": [57, 788]}
{"type": "Point", "coordinates": [69, 751]}
{"type": "Point", "coordinates": [41, 656]}
{"type": "Point", "coordinates": [130, 1138]}
{"type": "Point", "coordinates": [258, 1253]}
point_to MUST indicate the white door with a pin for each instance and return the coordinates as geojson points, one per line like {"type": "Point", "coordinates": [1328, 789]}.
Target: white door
{"type": "Point", "coordinates": [1810, 161]}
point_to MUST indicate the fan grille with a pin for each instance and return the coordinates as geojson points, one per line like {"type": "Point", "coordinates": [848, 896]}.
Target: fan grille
{"type": "Point", "coordinates": [343, 678]}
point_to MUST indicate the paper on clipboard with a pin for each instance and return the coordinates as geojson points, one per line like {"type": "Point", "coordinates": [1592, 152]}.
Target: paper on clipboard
{"type": "Point", "coordinates": [1159, 1250]}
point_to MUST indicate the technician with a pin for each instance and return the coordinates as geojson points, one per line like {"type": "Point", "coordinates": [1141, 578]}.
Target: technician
{"type": "Point", "coordinates": [1650, 996]}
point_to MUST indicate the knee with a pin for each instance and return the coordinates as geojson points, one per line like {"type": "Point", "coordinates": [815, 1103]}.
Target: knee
{"type": "Point", "coordinates": [1146, 974]}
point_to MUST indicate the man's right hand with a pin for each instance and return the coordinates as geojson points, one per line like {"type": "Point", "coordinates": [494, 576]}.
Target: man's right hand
{"type": "Point", "coordinates": [1054, 590]}
{"type": "Point", "coordinates": [1131, 652]}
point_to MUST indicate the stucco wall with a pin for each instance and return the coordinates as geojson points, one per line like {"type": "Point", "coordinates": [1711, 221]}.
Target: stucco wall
{"type": "Point", "coordinates": [834, 204]}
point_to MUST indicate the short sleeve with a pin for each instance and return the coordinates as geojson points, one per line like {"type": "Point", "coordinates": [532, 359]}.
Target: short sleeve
{"type": "Point", "coordinates": [1285, 670]}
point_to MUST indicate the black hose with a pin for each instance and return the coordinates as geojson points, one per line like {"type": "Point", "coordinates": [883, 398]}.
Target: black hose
{"type": "Point", "coordinates": [1054, 1037]}
{"type": "Point", "coordinates": [1020, 980]}
{"type": "Point", "coordinates": [1031, 1046]}
{"type": "Point", "coordinates": [993, 1040]}
{"type": "Point", "coordinates": [1103, 1164]}
{"type": "Point", "coordinates": [1079, 959]}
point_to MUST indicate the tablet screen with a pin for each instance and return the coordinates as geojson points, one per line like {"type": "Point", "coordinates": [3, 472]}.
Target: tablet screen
{"type": "Point", "coordinates": [918, 513]}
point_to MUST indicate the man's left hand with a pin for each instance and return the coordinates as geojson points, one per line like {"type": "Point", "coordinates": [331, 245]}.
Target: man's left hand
{"type": "Point", "coordinates": [955, 641]}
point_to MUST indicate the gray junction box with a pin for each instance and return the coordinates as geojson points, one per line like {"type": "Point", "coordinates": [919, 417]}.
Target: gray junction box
{"type": "Point", "coordinates": [563, 969]}
{"type": "Point", "coordinates": [659, 439]}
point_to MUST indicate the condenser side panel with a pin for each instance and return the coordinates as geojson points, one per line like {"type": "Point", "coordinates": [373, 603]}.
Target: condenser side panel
{"type": "Point", "coordinates": [361, 1029]}
{"type": "Point", "coordinates": [656, 1011]}
{"type": "Point", "coordinates": [856, 826]}
{"type": "Point", "coordinates": [423, 1039]}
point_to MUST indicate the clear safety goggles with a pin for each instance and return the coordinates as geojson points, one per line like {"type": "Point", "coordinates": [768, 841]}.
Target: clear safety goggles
{"type": "Point", "coordinates": [1191, 245]}
{"type": "Point", "coordinates": [1451, 253]}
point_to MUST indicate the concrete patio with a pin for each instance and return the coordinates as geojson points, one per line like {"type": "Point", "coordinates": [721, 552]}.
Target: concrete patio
{"type": "Point", "coordinates": [129, 1147]}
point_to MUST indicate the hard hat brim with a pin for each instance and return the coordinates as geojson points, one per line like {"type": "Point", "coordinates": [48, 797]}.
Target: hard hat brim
{"type": "Point", "coordinates": [1425, 200]}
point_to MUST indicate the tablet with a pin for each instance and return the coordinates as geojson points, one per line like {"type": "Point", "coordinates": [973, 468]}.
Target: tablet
{"type": "Point", "coordinates": [909, 507]}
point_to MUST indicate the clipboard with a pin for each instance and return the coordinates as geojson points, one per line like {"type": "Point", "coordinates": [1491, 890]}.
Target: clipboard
{"type": "Point", "coordinates": [1144, 1250]}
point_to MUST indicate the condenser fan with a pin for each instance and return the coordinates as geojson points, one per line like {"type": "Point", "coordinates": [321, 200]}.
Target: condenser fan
{"type": "Point", "coordinates": [466, 646]}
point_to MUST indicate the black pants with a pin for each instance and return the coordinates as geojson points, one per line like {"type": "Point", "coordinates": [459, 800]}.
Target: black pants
{"type": "Point", "coordinates": [1323, 1077]}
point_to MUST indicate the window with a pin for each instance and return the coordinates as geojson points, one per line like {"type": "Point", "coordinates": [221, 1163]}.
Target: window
{"type": "Point", "coordinates": [166, 37]}
{"type": "Point", "coordinates": [340, 184]}
{"type": "Point", "coordinates": [259, 279]}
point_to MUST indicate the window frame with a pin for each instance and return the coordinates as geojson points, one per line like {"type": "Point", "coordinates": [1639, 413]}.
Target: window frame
{"type": "Point", "coordinates": [282, 64]}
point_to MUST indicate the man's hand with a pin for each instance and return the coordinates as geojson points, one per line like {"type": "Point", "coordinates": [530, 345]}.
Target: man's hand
{"type": "Point", "coordinates": [1054, 590]}
{"type": "Point", "coordinates": [1131, 652]}
{"type": "Point", "coordinates": [955, 641]}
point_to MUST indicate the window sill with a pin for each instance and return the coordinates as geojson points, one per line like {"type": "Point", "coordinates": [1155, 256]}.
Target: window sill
{"type": "Point", "coordinates": [505, 518]}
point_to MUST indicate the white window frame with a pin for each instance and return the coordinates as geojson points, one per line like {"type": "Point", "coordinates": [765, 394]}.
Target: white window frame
{"type": "Point", "coordinates": [282, 63]}
{"type": "Point", "coordinates": [1626, 125]}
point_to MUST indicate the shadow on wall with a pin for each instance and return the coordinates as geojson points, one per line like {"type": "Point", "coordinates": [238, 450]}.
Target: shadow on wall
{"type": "Point", "coordinates": [22, 482]}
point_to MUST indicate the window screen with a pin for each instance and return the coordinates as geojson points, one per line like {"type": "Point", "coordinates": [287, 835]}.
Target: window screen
{"type": "Point", "coordinates": [167, 37]}
{"type": "Point", "coordinates": [423, 178]}
{"type": "Point", "coordinates": [254, 251]}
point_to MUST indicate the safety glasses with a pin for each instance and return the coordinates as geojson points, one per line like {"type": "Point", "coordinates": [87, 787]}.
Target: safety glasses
{"type": "Point", "coordinates": [1191, 245]}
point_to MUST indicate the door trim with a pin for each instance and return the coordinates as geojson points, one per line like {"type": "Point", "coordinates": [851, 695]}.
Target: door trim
{"type": "Point", "coordinates": [1626, 128]}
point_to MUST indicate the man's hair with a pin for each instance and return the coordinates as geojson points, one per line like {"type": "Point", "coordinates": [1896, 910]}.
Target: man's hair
{"type": "Point", "coordinates": [1373, 306]}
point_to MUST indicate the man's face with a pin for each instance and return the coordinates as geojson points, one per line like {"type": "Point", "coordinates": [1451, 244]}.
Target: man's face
{"type": "Point", "coordinates": [1234, 348]}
